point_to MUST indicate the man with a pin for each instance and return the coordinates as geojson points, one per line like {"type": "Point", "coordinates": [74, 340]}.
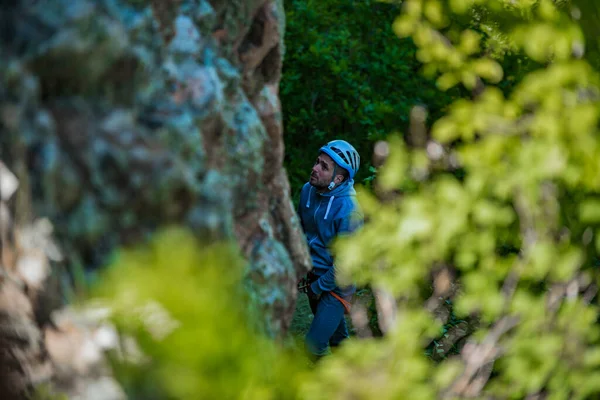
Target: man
{"type": "Point", "coordinates": [328, 209]}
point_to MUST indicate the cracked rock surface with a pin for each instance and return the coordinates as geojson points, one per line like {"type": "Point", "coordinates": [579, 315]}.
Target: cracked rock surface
{"type": "Point", "coordinates": [121, 116]}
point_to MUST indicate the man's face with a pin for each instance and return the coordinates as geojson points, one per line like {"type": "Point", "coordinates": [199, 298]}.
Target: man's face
{"type": "Point", "coordinates": [322, 171]}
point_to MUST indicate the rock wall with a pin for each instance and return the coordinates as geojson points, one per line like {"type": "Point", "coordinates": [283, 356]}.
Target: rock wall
{"type": "Point", "coordinates": [121, 116]}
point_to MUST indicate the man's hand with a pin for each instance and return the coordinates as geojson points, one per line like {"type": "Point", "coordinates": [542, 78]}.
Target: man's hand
{"type": "Point", "coordinates": [311, 293]}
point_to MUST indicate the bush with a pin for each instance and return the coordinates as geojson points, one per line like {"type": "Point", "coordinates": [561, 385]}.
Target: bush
{"type": "Point", "coordinates": [347, 76]}
{"type": "Point", "coordinates": [186, 328]}
{"type": "Point", "coordinates": [513, 239]}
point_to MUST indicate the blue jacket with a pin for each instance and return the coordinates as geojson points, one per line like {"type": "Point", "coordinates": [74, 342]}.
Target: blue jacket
{"type": "Point", "coordinates": [323, 217]}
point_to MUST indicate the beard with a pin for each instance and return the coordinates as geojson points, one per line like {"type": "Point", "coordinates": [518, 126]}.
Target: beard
{"type": "Point", "coordinates": [318, 184]}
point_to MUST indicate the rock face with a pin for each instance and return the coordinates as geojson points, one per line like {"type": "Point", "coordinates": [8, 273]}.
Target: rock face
{"type": "Point", "coordinates": [121, 116]}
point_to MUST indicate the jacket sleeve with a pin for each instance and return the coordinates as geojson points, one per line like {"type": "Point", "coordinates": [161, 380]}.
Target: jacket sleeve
{"type": "Point", "coordinates": [326, 282]}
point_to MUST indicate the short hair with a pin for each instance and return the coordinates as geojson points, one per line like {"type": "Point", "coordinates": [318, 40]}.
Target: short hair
{"type": "Point", "coordinates": [343, 172]}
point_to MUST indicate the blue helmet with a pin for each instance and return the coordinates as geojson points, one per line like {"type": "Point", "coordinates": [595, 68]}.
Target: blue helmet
{"type": "Point", "coordinates": [344, 155]}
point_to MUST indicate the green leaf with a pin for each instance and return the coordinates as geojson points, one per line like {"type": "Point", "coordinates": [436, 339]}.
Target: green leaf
{"type": "Point", "coordinates": [589, 211]}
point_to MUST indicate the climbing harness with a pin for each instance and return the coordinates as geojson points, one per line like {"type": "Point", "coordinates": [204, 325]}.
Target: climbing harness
{"type": "Point", "coordinates": [307, 280]}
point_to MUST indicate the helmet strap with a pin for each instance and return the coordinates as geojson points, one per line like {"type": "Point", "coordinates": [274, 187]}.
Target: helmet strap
{"type": "Point", "coordinates": [332, 183]}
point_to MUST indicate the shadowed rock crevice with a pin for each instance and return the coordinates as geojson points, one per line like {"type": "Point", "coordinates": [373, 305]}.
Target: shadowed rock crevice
{"type": "Point", "coordinates": [261, 50]}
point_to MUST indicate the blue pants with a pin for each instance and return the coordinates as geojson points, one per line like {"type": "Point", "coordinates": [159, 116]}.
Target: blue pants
{"type": "Point", "coordinates": [328, 328]}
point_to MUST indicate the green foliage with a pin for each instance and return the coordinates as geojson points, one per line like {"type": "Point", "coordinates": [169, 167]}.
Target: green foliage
{"type": "Point", "coordinates": [45, 392]}
{"type": "Point", "coordinates": [184, 306]}
{"type": "Point", "coordinates": [588, 14]}
{"type": "Point", "coordinates": [529, 184]}
{"type": "Point", "coordinates": [346, 76]}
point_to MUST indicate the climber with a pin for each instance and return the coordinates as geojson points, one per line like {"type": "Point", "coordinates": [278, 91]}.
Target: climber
{"type": "Point", "coordinates": [327, 209]}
